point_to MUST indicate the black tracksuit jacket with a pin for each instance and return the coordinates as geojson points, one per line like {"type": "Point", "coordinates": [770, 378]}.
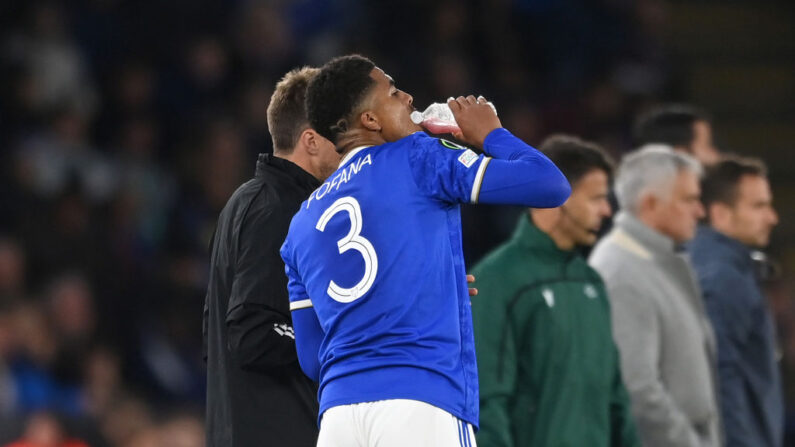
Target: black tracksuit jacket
{"type": "Point", "coordinates": [257, 394]}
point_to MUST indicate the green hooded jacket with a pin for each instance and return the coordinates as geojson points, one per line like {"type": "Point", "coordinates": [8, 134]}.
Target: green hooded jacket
{"type": "Point", "coordinates": [549, 369]}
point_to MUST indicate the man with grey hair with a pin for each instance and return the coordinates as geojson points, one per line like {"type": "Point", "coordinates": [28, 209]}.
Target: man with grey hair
{"type": "Point", "coordinates": [665, 341]}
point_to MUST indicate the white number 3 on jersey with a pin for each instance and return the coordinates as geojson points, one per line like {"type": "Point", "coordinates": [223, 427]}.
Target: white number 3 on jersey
{"type": "Point", "coordinates": [353, 240]}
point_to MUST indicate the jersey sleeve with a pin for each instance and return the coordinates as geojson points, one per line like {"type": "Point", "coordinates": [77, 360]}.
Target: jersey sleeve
{"type": "Point", "coordinates": [520, 174]}
{"type": "Point", "coordinates": [297, 294]}
{"type": "Point", "coordinates": [512, 172]}
{"type": "Point", "coordinates": [308, 332]}
{"type": "Point", "coordinates": [446, 171]}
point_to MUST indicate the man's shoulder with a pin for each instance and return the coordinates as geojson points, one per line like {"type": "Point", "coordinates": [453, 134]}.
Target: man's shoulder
{"type": "Point", "coordinates": [711, 255]}
{"type": "Point", "coordinates": [614, 262]}
{"type": "Point", "coordinates": [510, 266]}
{"type": "Point", "coordinates": [417, 139]}
{"type": "Point", "coordinates": [259, 198]}
{"type": "Point", "coordinates": [246, 189]}
{"type": "Point", "coordinates": [420, 140]}
{"type": "Point", "coordinates": [495, 261]}
{"type": "Point", "coordinates": [607, 252]}
{"type": "Point", "coordinates": [720, 278]}
{"type": "Point", "coordinates": [717, 255]}
{"type": "Point", "coordinates": [582, 266]}
{"type": "Point", "coordinates": [240, 199]}
{"type": "Point", "coordinates": [499, 275]}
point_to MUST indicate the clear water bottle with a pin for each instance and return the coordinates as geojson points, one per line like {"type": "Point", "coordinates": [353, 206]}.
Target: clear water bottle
{"type": "Point", "coordinates": [438, 118]}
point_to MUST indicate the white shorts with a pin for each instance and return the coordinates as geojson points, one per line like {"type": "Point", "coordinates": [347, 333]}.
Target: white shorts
{"type": "Point", "coordinates": [393, 423]}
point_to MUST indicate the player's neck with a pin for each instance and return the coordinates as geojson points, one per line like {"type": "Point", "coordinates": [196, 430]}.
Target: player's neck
{"type": "Point", "coordinates": [357, 138]}
{"type": "Point", "coordinates": [300, 159]}
{"type": "Point", "coordinates": [548, 221]}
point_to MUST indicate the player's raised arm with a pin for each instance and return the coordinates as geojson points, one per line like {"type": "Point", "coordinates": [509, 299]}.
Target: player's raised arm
{"type": "Point", "coordinates": [517, 174]}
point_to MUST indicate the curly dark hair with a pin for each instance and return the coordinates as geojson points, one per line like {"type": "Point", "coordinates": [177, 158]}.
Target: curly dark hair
{"type": "Point", "coordinates": [335, 92]}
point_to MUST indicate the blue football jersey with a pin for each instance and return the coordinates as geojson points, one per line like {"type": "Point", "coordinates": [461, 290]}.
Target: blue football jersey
{"type": "Point", "coordinates": [376, 251]}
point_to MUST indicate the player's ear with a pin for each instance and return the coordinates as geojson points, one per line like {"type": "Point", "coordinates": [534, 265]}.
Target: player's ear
{"type": "Point", "coordinates": [309, 139]}
{"type": "Point", "coordinates": [719, 214]}
{"type": "Point", "coordinates": [308, 142]}
{"type": "Point", "coordinates": [370, 120]}
{"type": "Point", "coordinates": [648, 202]}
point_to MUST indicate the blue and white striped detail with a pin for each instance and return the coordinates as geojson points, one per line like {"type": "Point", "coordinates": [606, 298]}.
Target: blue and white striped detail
{"type": "Point", "coordinates": [300, 304]}
{"type": "Point", "coordinates": [465, 434]}
{"type": "Point", "coordinates": [479, 180]}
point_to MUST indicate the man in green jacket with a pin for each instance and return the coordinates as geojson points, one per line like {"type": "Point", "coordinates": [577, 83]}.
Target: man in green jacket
{"type": "Point", "coordinates": [549, 369]}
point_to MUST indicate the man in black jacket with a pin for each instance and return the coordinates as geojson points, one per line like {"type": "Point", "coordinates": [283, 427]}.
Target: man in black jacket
{"type": "Point", "coordinates": [257, 394]}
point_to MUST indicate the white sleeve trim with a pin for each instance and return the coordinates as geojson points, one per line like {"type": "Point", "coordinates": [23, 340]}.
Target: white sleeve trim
{"type": "Point", "coordinates": [300, 304]}
{"type": "Point", "coordinates": [479, 180]}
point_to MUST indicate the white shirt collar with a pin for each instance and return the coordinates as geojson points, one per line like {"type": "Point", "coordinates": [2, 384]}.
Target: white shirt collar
{"type": "Point", "coordinates": [350, 154]}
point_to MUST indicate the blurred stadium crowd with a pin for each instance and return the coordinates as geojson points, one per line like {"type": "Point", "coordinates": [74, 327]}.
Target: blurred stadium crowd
{"type": "Point", "coordinates": [126, 125]}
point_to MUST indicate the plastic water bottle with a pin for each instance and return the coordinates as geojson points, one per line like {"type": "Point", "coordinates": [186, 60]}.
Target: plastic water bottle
{"type": "Point", "coordinates": [438, 118]}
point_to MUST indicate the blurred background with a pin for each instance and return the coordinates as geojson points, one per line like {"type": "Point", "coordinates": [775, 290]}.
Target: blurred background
{"type": "Point", "coordinates": [126, 125]}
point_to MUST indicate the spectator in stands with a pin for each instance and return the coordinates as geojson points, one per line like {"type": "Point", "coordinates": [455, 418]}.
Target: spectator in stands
{"type": "Point", "coordinates": [45, 430]}
{"type": "Point", "coordinates": [12, 271]}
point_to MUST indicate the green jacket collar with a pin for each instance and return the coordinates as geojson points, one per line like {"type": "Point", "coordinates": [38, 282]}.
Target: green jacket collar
{"type": "Point", "coordinates": [528, 235]}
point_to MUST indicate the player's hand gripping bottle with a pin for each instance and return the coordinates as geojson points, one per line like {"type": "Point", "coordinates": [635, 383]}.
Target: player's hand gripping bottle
{"type": "Point", "coordinates": [438, 119]}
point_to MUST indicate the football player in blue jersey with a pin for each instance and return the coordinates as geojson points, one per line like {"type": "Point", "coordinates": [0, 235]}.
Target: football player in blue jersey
{"type": "Point", "coordinates": [375, 265]}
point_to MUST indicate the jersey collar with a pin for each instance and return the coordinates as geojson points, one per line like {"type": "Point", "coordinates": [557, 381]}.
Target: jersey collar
{"type": "Point", "coordinates": [350, 154]}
